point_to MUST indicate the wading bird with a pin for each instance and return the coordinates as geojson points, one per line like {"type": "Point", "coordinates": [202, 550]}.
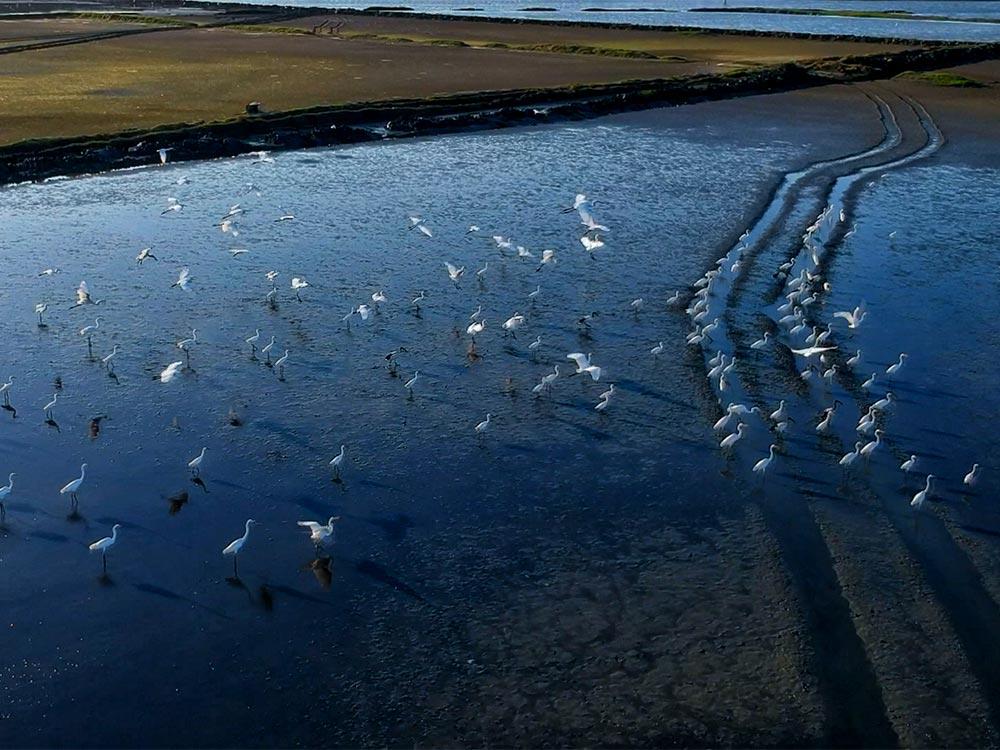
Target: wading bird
{"type": "Point", "coordinates": [73, 487]}
{"type": "Point", "coordinates": [761, 466]}
{"type": "Point", "coordinates": [319, 533]}
{"type": "Point", "coordinates": [103, 545]}
{"type": "Point", "coordinates": [39, 309]}
{"type": "Point", "coordinates": [4, 494]}
{"type": "Point", "coordinates": [337, 461]}
{"type": "Point", "coordinates": [298, 284]}
{"type": "Point", "coordinates": [195, 463]}
{"type": "Point", "coordinates": [972, 478]}
{"type": "Point", "coordinates": [850, 458]}
{"type": "Point", "coordinates": [921, 497]}
{"type": "Point", "coordinates": [234, 547]}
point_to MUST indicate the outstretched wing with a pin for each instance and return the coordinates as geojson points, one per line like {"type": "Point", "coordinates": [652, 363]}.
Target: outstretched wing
{"type": "Point", "coordinates": [581, 359]}
{"type": "Point", "coordinates": [311, 525]}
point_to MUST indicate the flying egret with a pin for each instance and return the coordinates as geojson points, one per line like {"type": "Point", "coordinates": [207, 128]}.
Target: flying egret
{"type": "Point", "coordinates": [730, 440]}
{"type": "Point", "coordinates": [972, 478]}
{"type": "Point", "coordinates": [337, 461]}
{"type": "Point", "coordinates": [320, 534]}
{"type": "Point", "coordinates": [379, 297]}
{"type": "Point", "coordinates": [49, 406]}
{"type": "Point", "coordinates": [83, 296]}
{"type": "Point", "coordinates": [854, 318]}
{"type": "Point", "coordinates": [39, 309]}
{"type": "Point", "coordinates": [298, 284]}
{"type": "Point", "coordinates": [364, 311]}
{"type": "Point", "coordinates": [49, 272]}
{"type": "Point", "coordinates": [454, 273]}
{"type": "Point", "coordinates": [512, 323]}
{"type": "Point", "coordinates": [195, 463]}
{"type": "Point", "coordinates": [591, 244]}
{"type": "Point", "coordinates": [921, 497]}
{"type": "Point", "coordinates": [173, 206]}
{"type": "Point", "coordinates": [583, 364]}
{"type": "Point", "coordinates": [548, 259]}
{"type": "Point", "coordinates": [761, 466]}
{"type": "Point", "coordinates": [170, 371]}
{"type": "Point", "coordinates": [234, 547]}
{"type": "Point", "coordinates": [183, 278]}
{"type": "Point", "coordinates": [812, 351]}
{"type": "Point", "coordinates": [893, 369]}
{"type": "Point", "coordinates": [103, 545]}
{"type": "Point", "coordinates": [73, 487]}
{"type": "Point", "coordinates": [4, 494]}
{"type": "Point", "coordinates": [164, 157]}
{"type": "Point", "coordinates": [145, 254]}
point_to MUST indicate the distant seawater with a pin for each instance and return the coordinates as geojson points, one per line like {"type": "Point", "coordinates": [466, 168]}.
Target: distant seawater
{"type": "Point", "coordinates": [679, 13]}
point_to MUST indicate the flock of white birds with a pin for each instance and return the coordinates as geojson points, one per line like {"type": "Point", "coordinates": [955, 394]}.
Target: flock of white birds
{"type": "Point", "coordinates": [802, 290]}
{"type": "Point", "coordinates": [809, 344]}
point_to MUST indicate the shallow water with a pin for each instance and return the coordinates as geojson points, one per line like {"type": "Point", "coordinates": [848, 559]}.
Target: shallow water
{"type": "Point", "coordinates": [678, 13]}
{"type": "Point", "coordinates": [438, 527]}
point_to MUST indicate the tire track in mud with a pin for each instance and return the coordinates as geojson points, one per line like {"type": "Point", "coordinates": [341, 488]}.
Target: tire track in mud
{"type": "Point", "coordinates": [843, 665]}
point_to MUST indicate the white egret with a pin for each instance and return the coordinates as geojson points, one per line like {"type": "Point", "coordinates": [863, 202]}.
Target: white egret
{"type": "Point", "coordinates": [173, 205]}
{"type": "Point", "coordinates": [867, 422]}
{"type": "Point", "coordinates": [870, 447]}
{"type": "Point", "coordinates": [103, 545]}
{"type": "Point", "coordinates": [637, 304]}
{"type": "Point", "coordinates": [869, 384]}
{"type": "Point", "coordinates": [89, 331]}
{"type": "Point", "coordinates": [921, 497]}
{"type": "Point", "coordinates": [909, 464]}
{"type": "Point", "coordinates": [5, 389]}
{"type": "Point", "coordinates": [484, 425]}
{"type": "Point", "coordinates": [39, 309]}
{"type": "Point", "coordinates": [602, 404]}
{"type": "Point", "coordinates": [170, 371]}
{"type": "Point", "coordinates": [893, 369]}
{"type": "Point", "coordinates": [183, 278]}
{"type": "Point", "coordinates": [279, 365]}
{"type": "Point", "coordinates": [547, 380]}
{"type": "Point", "coordinates": [591, 244]}
{"type": "Point", "coordinates": [534, 345]}
{"type": "Point", "coordinates": [408, 385]}
{"type": "Point", "coordinates": [364, 311]}
{"type": "Point", "coordinates": [47, 409]}
{"type": "Point", "coordinates": [266, 349]}
{"type": "Point", "coordinates": [548, 259]}
{"type": "Point", "coordinates": [417, 300]}
{"type": "Point", "coordinates": [164, 156]}
{"type": "Point", "coordinates": [780, 413]}
{"type": "Point", "coordinates": [73, 487]}
{"type": "Point", "coordinates": [107, 360]}
{"type": "Point", "coordinates": [474, 329]}
{"type": "Point", "coordinates": [609, 393]}
{"type": "Point", "coordinates": [49, 272]}
{"type": "Point", "coordinates": [298, 284]}
{"type": "Point", "coordinates": [824, 423]}
{"type": "Point", "coordinates": [657, 350]}
{"type": "Point", "coordinates": [145, 254]}
{"type": "Point", "coordinates": [379, 297]}
{"type": "Point", "coordinates": [851, 362]}
{"type": "Point", "coordinates": [337, 461]}
{"type": "Point", "coordinates": [195, 463]}
{"type": "Point", "coordinates": [523, 252]}
{"type": "Point", "coordinates": [4, 494]}
{"type": "Point", "coordinates": [850, 458]}
{"type": "Point", "coordinates": [235, 546]}
{"type": "Point", "coordinates": [473, 228]}
{"type": "Point", "coordinates": [534, 295]}
{"type": "Point", "coordinates": [761, 466]}
{"type": "Point", "coordinates": [812, 351]}
{"type": "Point", "coordinates": [730, 440]}
{"type": "Point", "coordinates": [854, 318]}
{"type": "Point", "coordinates": [972, 478]}
{"type": "Point", "coordinates": [320, 533]}
{"type": "Point", "coordinates": [883, 404]}
{"type": "Point", "coordinates": [454, 273]}
{"type": "Point", "coordinates": [762, 342]}
{"type": "Point", "coordinates": [83, 296]}
{"type": "Point", "coordinates": [185, 344]}
{"type": "Point", "coordinates": [480, 274]}
{"type": "Point", "coordinates": [252, 340]}
{"type": "Point", "coordinates": [477, 313]}
{"type": "Point", "coordinates": [512, 323]}
{"type": "Point", "coordinates": [583, 364]}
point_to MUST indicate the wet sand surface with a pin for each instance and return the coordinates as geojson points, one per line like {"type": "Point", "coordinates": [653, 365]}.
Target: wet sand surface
{"type": "Point", "coordinates": [576, 577]}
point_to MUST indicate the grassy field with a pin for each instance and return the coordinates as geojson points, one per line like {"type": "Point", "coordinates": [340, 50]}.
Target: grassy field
{"type": "Point", "coordinates": [186, 74]}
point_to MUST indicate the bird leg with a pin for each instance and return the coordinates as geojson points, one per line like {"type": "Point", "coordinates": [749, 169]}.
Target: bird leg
{"type": "Point", "coordinates": [104, 562]}
{"type": "Point", "coordinates": [236, 570]}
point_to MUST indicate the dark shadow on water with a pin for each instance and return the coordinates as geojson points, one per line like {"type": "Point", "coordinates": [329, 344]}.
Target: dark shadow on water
{"type": "Point", "coordinates": [376, 572]}
{"type": "Point", "coordinates": [49, 536]}
{"type": "Point", "coordinates": [106, 580]}
{"type": "Point", "coordinates": [301, 595]}
{"type": "Point", "coordinates": [394, 528]}
{"type": "Point", "coordinates": [196, 480]}
{"type": "Point", "coordinates": [154, 590]}
{"type": "Point", "coordinates": [177, 502]}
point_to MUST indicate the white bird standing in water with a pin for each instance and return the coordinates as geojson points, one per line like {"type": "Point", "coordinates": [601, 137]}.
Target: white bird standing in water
{"type": "Point", "coordinates": [850, 458]}
{"type": "Point", "coordinates": [657, 350]}
{"type": "Point", "coordinates": [47, 409]}
{"type": "Point", "coordinates": [39, 309]}
{"type": "Point", "coordinates": [870, 447]}
{"type": "Point", "coordinates": [909, 464]}
{"type": "Point", "coordinates": [972, 478]}
{"type": "Point", "coordinates": [869, 384]}
{"type": "Point", "coordinates": [547, 380]}
{"type": "Point", "coordinates": [762, 342]}
{"type": "Point", "coordinates": [5, 390]}
{"type": "Point", "coordinates": [170, 371]}
{"type": "Point", "coordinates": [252, 340]}
{"type": "Point", "coordinates": [320, 533]}
{"type": "Point", "coordinates": [408, 385]}
{"type": "Point", "coordinates": [279, 365]}
{"type": "Point", "coordinates": [484, 425]}
{"type": "Point", "coordinates": [4, 494]}
{"type": "Point", "coordinates": [855, 359]}
{"type": "Point", "coordinates": [761, 466]}
{"type": "Point", "coordinates": [921, 497]}
{"type": "Point", "coordinates": [71, 488]}
{"type": "Point", "coordinates": [337, 461]}
{"type": "Point", "coordinates": [513, 323]}
{"type": "Point", "coordinates": [195, 463]}
{"type": "Point", "coordinates": [779, 414]}
{"type": "Point", "coordinates": [730, 440]}
{"type": "Point", "coordinates": [234, 547]}
{"type": "Point", "coordinates": [893, 369]}
{"type": "Point", "coordinates": [583, 364]}
{"type": "Point", "coordinates": [107, 360]}
{"type": "Point", "coordinates": [534, 345]}
{"type": "Point", "coordinates": [266, 350]}
{"type": "Point", "coordinates": [103, 545]}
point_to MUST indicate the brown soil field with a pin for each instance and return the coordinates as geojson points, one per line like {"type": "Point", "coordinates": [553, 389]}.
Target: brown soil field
{"type": "Point", "coordinates": [694, 46]}
{"type": "Point", "coordinates": [178, 75]}
{"type": "Point", "coordinates": [22, 31]}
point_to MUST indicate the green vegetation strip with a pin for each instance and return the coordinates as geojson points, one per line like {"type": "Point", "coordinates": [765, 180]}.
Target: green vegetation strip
{"type": "Point", "coordinates": [942, 78]}
{"type": "Point", "coordinates": [130, 18]}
